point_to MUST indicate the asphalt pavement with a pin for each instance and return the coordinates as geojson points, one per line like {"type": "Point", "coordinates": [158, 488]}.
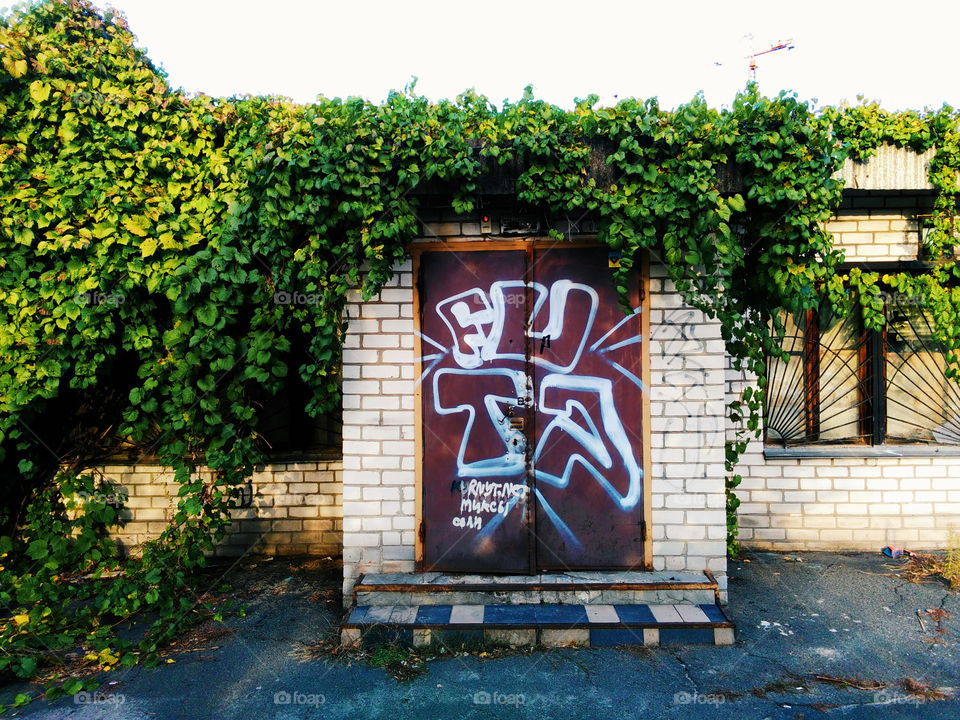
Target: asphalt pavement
{"type": "Point", "coordinates": [819, 635]}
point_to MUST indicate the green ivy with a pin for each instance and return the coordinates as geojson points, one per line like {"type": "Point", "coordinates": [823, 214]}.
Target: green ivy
{"type": "Point", "coordinates": [151, 241]}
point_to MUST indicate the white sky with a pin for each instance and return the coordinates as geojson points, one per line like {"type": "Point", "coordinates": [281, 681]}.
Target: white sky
{"type": "Point", "coordinates": [902, 54]}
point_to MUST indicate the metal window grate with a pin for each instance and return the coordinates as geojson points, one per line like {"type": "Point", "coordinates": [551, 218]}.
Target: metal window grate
{"type": "Point", "coordinates": [841, 384]}
{"type": "Point", "coordinates": [818, 394]}
{"type": "Point", "coordinates": [923, 405]}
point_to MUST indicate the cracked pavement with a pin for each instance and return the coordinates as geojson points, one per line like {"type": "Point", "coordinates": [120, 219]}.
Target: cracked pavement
{"type": "Point", "coordinates": [798, 625]}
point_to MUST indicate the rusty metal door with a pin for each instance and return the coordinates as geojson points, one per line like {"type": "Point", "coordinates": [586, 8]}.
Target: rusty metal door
{"type": "Point", "coordinates": [474, 407]}
{"type": "Point", "coordinates": [530, 412]}
{"type": "Point", "coordinates": [587, 458]}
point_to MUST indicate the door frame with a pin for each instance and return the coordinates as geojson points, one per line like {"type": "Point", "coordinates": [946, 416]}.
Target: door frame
{"type": "Point", "coordinates": [528, 244]}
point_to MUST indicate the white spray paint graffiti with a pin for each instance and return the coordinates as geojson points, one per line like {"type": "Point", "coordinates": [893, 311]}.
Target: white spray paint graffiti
{"type": "Point", "coordinates": [475, 320]}
{"type": "Point", "coordinates": [514, 441]}
{"type": "Point", "coordinates": [592, 440]}
{"type": "Point", "coordinates": [483, 345]}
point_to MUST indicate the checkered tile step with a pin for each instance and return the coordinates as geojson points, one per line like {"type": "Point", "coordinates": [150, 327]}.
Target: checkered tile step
{"type": "Point", "coordinates": [596, 624]}
{"type": "Point", "coordinates": [552, 616]}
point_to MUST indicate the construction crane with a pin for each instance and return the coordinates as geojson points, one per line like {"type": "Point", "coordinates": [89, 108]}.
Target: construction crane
{"type": "Point", "coordinates": [784, 45]}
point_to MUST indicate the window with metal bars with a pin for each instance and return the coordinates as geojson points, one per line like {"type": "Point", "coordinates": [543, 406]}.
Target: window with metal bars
{"type": "Point", "coordinates": [843, 384]}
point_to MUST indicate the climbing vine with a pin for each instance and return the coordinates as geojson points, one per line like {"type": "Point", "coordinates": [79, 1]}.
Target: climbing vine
{"type": "Point", "coordinates": [150, 236]}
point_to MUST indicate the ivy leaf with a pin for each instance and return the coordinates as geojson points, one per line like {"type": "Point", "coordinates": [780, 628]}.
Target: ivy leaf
{"type": "Point", "coordinates": [148, 247]}
{"type": "Point", "coordinates": [72, 686]}
{"type": "Point", "coordinates": [137, 224]}
{"type": "Point", "coordinates": [104, 229]}
{"type": "Point", "coordinates": [38, 549]}
{"type": "Point", "coordinates": [207, 314]}
{"type": "Point", "coordinates": [16, 68]}
{"type": "Point", "coordinates": [39, 91]}
{"type": "Point", "coordinates": [736, 203]}
{"type": "Point", "coordinates": [192, 506]}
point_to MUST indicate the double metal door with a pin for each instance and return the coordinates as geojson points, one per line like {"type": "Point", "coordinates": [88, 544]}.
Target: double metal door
{"type": "Point", "coordinates": [531, 412]}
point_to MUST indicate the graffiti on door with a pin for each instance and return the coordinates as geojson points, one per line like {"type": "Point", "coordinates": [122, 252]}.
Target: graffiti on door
{"type": "Point", "coordinates": [576, 405]}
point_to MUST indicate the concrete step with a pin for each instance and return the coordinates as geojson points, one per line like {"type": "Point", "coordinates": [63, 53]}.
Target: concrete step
{"type": "Point", "coordinates": [552, 625]}
{"type": "Point", "coordinates": [569, 588]}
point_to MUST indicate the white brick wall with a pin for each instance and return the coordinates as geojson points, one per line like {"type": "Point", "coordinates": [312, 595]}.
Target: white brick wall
{"type": "Point", "coordinates": [378, 432]}
{"type": "Point", "coordinates": [844, 503]}
{"type": "Point", "coordinates": [879, 227]}
{"type": "Point", "coordinates": [687, 433]}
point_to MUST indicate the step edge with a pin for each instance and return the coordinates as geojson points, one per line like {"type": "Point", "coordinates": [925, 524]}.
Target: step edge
{"type": "Point", "coordinates": [540, 587]}
{"type": "Point", "coordinates": [547, 626]}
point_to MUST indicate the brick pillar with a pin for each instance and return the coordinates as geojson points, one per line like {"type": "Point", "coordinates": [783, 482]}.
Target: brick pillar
{"type": "Point", "coordinates": [378, 432]}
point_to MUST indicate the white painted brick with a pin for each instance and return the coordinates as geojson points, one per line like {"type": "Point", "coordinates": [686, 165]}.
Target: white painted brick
{"type": "Point", "coordinates": [852, 509]}
{"type": "Point", "coordinates": [381, 371]}
{"type": "Point", "coordinates": [686, 500]}
{"type": "Point", "coordinates": [361, 447]}
{"type": "Point", "coordinates": [404, 326]}
{"type": "Point", "coordinates": [361, 540]}
{"type": "Point", "coordinates": [375, 432]}
{"type": "Point", "coordinates": [384, 462]}
{"type": "Point", "coordinates": [398, 356]}
{"type": "Point", "coordinates": [364, 508]}
{"type": "Point", "coordinates": [360, 357]}
{"type": "Point", "coordinates": [380, 310]}
{"type": "Point", "coordinates": [663, 517]}
{"type": "Point", "coordinates": [361, 387]}
{"type": "Point", "coordinates": [382, 341]}
{"type": "Point", "coordinates": [379, 402]}
{"type": "Point", "coordinates": [398, 418]}
{"type": "Point", "coordinates": [706, 517]}
{"type": "Point", "coordinates": [686, 532]}
{"type": "Point", "coordinates": [397, 387]}
{"type": "Point", "coordinates": [375, 523]}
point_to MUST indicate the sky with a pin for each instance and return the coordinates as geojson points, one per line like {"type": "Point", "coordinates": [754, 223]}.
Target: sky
{"type": "Point", "coordinates": [901, 54]}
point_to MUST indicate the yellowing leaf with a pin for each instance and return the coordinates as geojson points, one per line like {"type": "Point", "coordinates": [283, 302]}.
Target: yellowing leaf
{"type": "Point", "coordinates": [148, 247]}
{"type": "Point", "coordinates": [168, 241]}
{"type": "Point", "coordinates": [67, 132]}
{"type": "Point", "coordinates": [21, 619]}
{"type": "Point", "coordinates": [102, 230]}
{"type": "Point", "coordinates": [39, 91]}
{"type": "Point", "coordinates": [137, 225]}
{"type": "Point", "coordinates": [17, 68]}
